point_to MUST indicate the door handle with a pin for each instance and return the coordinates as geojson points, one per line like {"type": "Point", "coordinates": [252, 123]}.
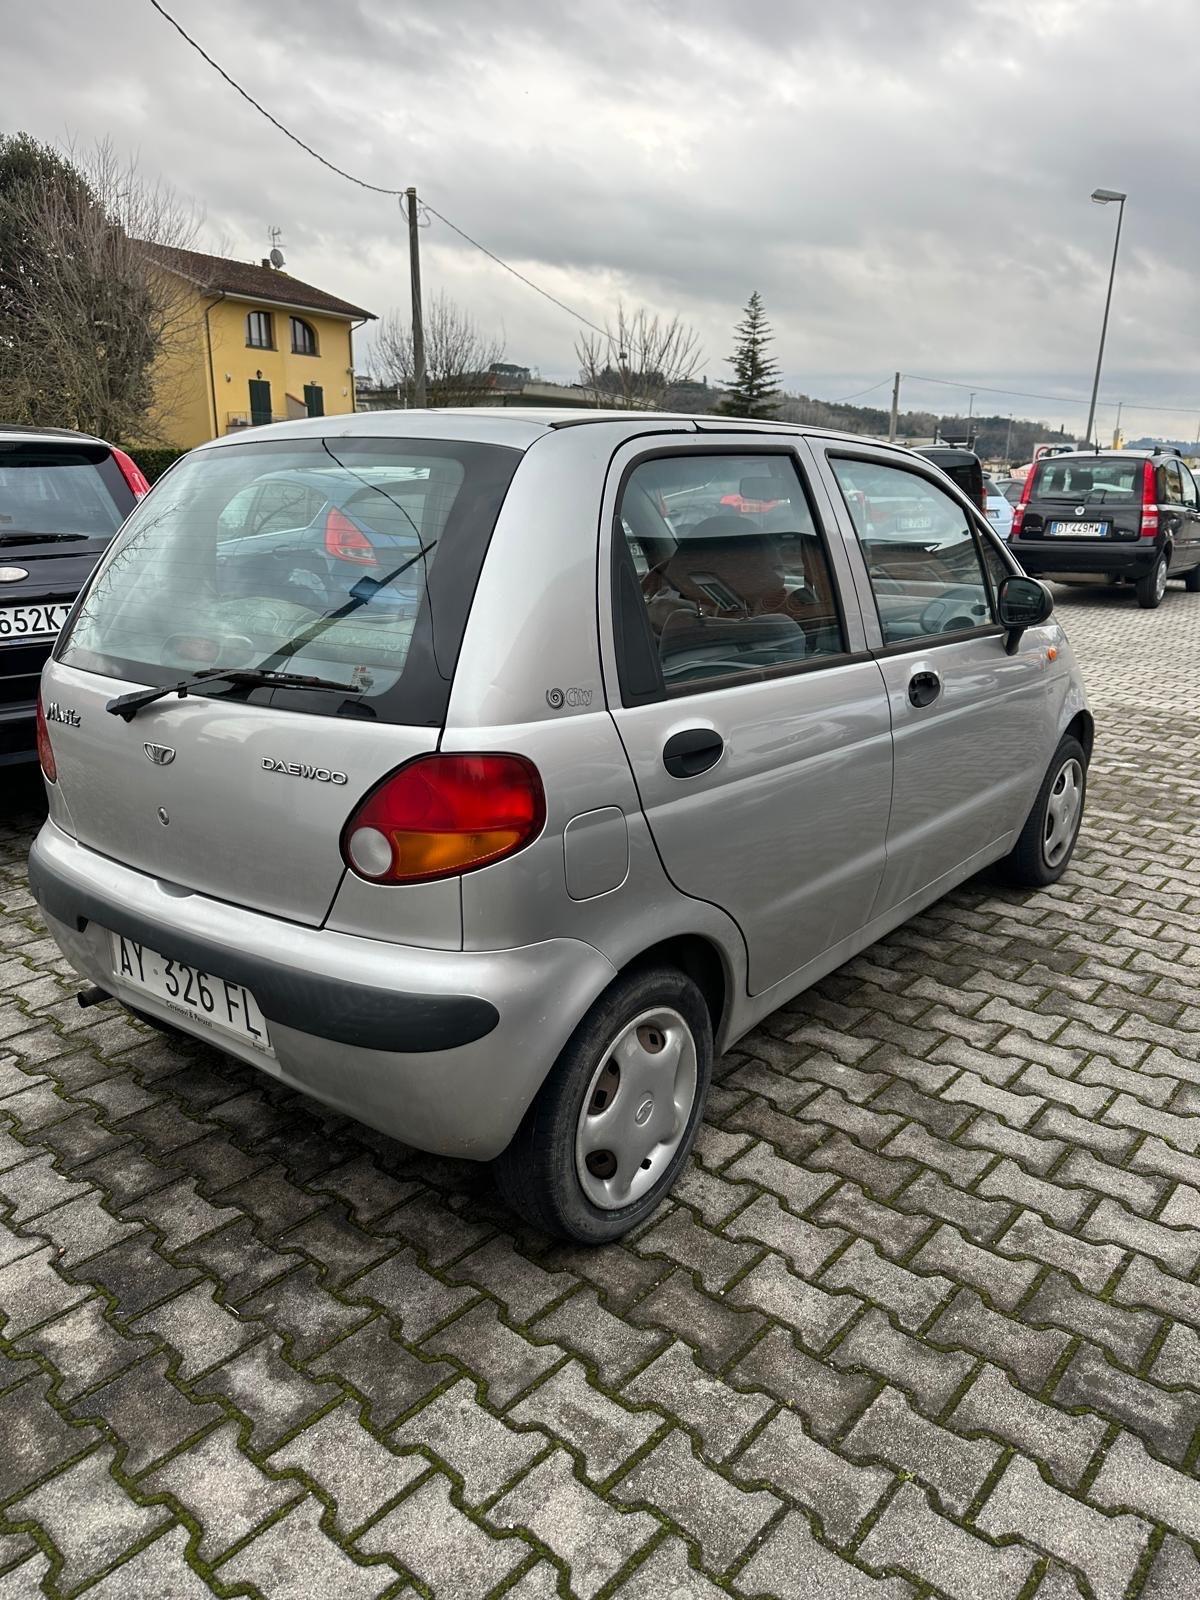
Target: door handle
{"type": "Point", "coordinates": [688, 754]}
{"type": "Point", "coordinates": [924, 688]}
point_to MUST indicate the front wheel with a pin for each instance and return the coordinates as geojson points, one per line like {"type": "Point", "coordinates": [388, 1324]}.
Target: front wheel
{"type": "Point", "coordinates": [1153, 586]}
{"type": "Point", "coordinates": [1047, 841]}
{"type": "Point", "coordinates": [613, 1123]}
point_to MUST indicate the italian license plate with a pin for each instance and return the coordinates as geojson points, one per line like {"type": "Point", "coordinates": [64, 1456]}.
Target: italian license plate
{"type": "Point", "coordinates": [913, 524]}
{"type": "Point", "coordinates": [31, 622]}
{"type": "Point", "coordinates": [215, 1003]}
{"type": "Point", "coordinates": [1079, 530]}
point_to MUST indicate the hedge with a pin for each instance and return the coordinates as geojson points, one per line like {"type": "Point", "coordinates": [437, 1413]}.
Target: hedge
{"type": "Point", "coordinates": [153, 460]}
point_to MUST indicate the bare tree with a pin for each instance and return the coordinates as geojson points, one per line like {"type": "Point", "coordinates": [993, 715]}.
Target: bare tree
{"type": "Point", "coordinates": [90, 322]}
{"type": "Point", "coordinates": [636, 363]}
{"type": "Point", "coordinates": [457, 355]}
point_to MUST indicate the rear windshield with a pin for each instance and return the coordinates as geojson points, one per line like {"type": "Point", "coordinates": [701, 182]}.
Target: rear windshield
{"type": "Point", "coordinates": [351, 560]}
{"type": "Point", "coordinates": [52, 492]}
{"type": "Point", "coordinates": [1110, 481]}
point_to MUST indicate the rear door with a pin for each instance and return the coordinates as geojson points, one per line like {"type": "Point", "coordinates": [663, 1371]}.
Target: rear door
{"type": "Point", "coordinates": [967, 718]}
{"type": "Point", "coordinates": [1189, 551]}
{"type": "Point", "coordinates": [754, 721]}
{"type": "Point", "coordinates": [242, 793]}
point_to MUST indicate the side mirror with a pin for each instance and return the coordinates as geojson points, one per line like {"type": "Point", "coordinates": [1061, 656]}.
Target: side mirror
{"type": "Point", "coordinates": [1022, 603]}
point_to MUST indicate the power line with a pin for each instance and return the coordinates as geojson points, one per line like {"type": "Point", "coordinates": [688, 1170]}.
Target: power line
{"type": "Point", "coordinates": [845, 400]}
{"type": "Point", "coordinates": [1060, 399]}
{"type": "Point", "coordinates": [375, 188]}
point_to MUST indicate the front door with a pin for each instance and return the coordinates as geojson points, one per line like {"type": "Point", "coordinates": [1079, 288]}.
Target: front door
{"type": "Point", "coordinates": [968, 720]}
{"type": "Point", "coordinates": [314, 399]}
{"type": "Point", "coordinates": [756, 726]}
{"type": "Point", "coordinates": [260, 402]}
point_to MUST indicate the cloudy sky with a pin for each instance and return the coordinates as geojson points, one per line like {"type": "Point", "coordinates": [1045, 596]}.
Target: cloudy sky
{"type": "Point", "coordinates": [906, 181]}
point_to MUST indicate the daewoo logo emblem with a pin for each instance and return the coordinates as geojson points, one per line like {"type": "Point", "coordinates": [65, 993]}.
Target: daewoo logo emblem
{"type": "Point", "coordinates": [161, 754]}
{"type": "Point", "coordinates": [301, 769]}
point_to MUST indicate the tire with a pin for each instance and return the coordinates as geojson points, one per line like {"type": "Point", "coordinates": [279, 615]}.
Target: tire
{"type": "Point", "coordinates": [557, 1167]}
{"type": "Point", "coordinates": [1030, 863]}
{"type": "Point", "coordinates": [1153, 586]}
{"type": "Point", "coordinates": [1192, 581]}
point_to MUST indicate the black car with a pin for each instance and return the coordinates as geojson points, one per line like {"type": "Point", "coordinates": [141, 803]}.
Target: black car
{"type": "Point", "coordinates": [62, 497]}
{"type": "Point", "coordinates": [963, 466]}
{"type": "Point", "coordinates": [1124, 515]}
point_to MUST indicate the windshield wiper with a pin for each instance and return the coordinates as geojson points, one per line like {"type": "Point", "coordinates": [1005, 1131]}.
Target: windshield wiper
{"type": "Point", "coordinates": [128, 705]}
{"type": "Point", "coordinates": [40, 538]}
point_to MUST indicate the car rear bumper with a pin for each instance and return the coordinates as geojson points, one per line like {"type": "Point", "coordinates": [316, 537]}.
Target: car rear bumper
{"type": "Point", "coordinates": [1046, 557]}
{"type": "Point", "coordinates": [442, 1049]}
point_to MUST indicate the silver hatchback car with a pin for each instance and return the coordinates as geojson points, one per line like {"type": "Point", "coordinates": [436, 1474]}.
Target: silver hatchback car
{"type": "Point", "coordinates": [481, 772]}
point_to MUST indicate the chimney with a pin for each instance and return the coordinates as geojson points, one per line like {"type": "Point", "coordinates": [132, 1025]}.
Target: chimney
{"type": "Point", "coordinates": [266, 261]}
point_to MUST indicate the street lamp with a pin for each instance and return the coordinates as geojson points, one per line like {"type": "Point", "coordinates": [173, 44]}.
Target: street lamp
{"type": "Point", "coordinates": [1104, 197]}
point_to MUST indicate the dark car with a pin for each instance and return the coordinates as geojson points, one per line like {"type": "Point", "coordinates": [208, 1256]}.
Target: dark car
{"type": "Point", "coordinates": [62, 497]}
{"type": "Point", "coordinates": [963, 466]}
{"type": "Point", "coordinates": [1126, 515]}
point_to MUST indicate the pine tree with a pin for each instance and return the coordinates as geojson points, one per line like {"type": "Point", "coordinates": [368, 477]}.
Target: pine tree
{"type": "Point", "coordinates": [754, 391]}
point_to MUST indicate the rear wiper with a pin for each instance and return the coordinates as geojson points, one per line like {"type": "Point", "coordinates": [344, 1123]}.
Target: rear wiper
{"type": "Point", "coordinates": [128, 705]}
{"type": "Point", "coordinates": [40, 538]}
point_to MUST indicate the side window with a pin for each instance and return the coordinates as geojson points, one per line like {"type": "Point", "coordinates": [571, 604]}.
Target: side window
{"type": "Point", "coordinates": [1191, 496]}
{"type": "Point", "coordinates": [920, 550]}
{"type": "Point", "coordinates": [1172, 483]}
{"type": "Point", "coordinates": [997, 567]}
{"type": "Point", "coordinates": [730, 573]}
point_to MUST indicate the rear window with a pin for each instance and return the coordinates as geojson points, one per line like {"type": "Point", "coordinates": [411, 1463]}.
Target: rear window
{"type": "Point", "coordinates": [1111, 481]}
{"type": "Point", "coordinates": [51, 492]}
{"type": "Point", "coordinates": [351, 560]}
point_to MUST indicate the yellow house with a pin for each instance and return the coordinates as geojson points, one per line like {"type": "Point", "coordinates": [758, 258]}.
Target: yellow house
{"type": "Point", "coordinates": [251, 344]}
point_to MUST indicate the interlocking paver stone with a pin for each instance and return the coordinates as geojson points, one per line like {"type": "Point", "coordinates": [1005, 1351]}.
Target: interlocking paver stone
{"type": "Point", "coordinates": [945, 1204]}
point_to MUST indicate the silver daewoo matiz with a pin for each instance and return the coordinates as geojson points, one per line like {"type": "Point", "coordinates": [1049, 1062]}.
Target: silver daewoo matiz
{"type": "Point", "coordinates": [480, 772]}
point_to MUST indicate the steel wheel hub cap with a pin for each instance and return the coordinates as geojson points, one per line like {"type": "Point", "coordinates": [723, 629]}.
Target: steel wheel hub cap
{"type": "Point", "coordinates": [1063, 812]}
{"type": "Point", "coordinates": [636, 1108]}
{"type": "Point", "coordinates": [1160, 579]}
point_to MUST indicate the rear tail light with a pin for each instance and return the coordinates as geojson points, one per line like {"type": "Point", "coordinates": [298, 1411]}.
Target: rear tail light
{"type": "Point", "coordinates": [442, 815]}
{"type": "Point", "coordinates": [345, 540]}
{"type": "Point", "coordinates": [1019, 509]}
{"type": "Point", "coordinates": [1149, 528]}
{"type": "Point", "coordinates": [44, 750]}
{"type": "Point", "coordinates": [132, 473]}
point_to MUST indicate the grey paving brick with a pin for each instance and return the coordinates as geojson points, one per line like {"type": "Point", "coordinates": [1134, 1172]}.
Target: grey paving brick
{"type": "Point", "coordinates": [1178, 1358]}
{"type": "Point", "coordinates": [772, 1288]}
{"type": "Point", "coordinates": [911, 1297]}
{"type": "Point", "coordinates": [135, 1274]}
{"type": "Point", "coordinates": [273, 1396]}
{"type": "Point", "coordinates": [797, 1186]}
{"type": "Point", "coordinates": [1177, 1249]}
{"type": "Point", "coordinates": [1166, 1420]}
{"type": "Point", "coordinates": [1038, 1151]}
{"type": "Point", "coordinates": [716, 1412]}
{"type": "Point", "coordinates": [837, 1491]}
{"type": "Point", "coordinates": [417, 1299]}
{"type": "Point", "coordinates": [1175, 1572]}
{"type": "Point", "coordinates": [791, 1565]}
{"type": "Point", "coordinates": [913, 1537]}
{"type": "Point", "coordinates": [90, 1518]}
{"type": "Point", "coordinates": [337, 1244]}
{"type": "Point", "coordinates": [84, 1347]}
{"type": "Point", "coordinates": [294, 1560]}
{"type": "Point", "coordinates": [719, 1516]}
{"type": "Point", "coordinates": [1062, 1442]}
{"type": "Point", "coordinates": [1160, 1159]}
{"type": "Point", "coordinates": [929, 1375]}
{"type": "Point", "coordinates": [1017, 1109]}
{"type": "Point", "coordinates": [666, 1571]}
{"type": "Point", "coordinates": [1004, 1282]}
{"type": "Point", "coordinates": [710, 1255]}
{"type": "Point", "coordinates": [1140, 1194]}
{"type": "Point", "coordinates": [891, 1430]}
{"type": "Point", "coordinates": [160, 1571]}
{"type": "Point", "coordinates": [915, 1143]}
{"type": "Point", "coordinates": [892, 1230]}
{"type": "Point", "coordinates": [825, 1397]}
{"type": "Point", "coordinates": [37, 1440]}
{"type": "Point", "coordinates": [793, 1139]}
{"type": "Point", "coordinates": [222, 1488]}
{"type": "Point", "coordinates": [35, 1186]}
{"type": "Point", "coordinates": [805, 1244]}
{"type": "Point", "coordinates": [931, 1196]}
{"type": "Point", "coordinates": [877, 1172]}
{"type": "Point", "coordinates": [1144, 1283]}
{"type": "Point", "coordinates": [31, 1292]}
{"type": "Point", "coordinates": [1091, 1264]}
{"type": "Point", "coordinates": [1105, 1549]}
{"type": "Point", "coordinates": [1058, 1303]}
{"type": "Point", "coordinates": [711, 1196]}
{"type": "Point", "coordinates": [202, 1332]}
{"type": "Point", "coordinates": [146, 1411]}
{"type": "Point", "coordinates": [1056, 1122]}
{"type": "Point", "coordinates": [1063, 1206]}
{"type": "Point", "coordinates": [1182, 1132]}
{"type": "Point", "coordinates": [569, 1408]}
{"type": "Point", "coordinates": [1132, 1480]}
{"type": "Point", "coordinates": [391, 1379]}
{"type": "Point", "coordinates": [589, 1534]}
{"type": "Point", "coordinates": [714, 1328]}
{"type": "Point", "coordinates": [356, 1470]}
{"type": "Point", "coordinates": [870, 1128]}
{"type": "Point", "coordinates": [1182, 1209]}
{"type": "Point", "coordinates": [522, 1287]}
{"type": "Point", "coordinates": [300, 1307]}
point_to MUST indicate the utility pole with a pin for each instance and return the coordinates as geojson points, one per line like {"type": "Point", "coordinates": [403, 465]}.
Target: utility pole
{"type": "Point", "coordinates": [420, 397]}
{"type": "Point", "coordinates": [895, 418]}
{"type": "Point", "coordinates": [1008, 442]}
{"type": "Point", "coordinates": [1104, 197]}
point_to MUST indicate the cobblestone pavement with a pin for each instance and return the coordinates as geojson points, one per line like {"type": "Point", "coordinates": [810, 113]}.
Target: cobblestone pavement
{"type": "Point", "coordinates": [922, 1319]}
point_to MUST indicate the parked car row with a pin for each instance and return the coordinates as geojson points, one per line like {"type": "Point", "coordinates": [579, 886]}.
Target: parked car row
{"type": "Point", "coordinates": [482, 773]}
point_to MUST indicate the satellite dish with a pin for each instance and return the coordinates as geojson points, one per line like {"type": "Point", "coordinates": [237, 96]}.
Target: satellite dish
{"type": "Point", "coordinates": [276, 256]}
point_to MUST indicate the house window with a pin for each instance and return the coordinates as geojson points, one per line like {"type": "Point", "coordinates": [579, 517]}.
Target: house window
{"type": "Point", "coordinates": [258, 331]}
{"type": "Point", "coordinates": [304, 340]}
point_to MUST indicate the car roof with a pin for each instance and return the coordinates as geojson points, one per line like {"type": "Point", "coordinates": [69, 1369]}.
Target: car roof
{"type": "Point", "coordinates": [14, 432]}
{"type": "Point", "coordinates": [1110, 455]}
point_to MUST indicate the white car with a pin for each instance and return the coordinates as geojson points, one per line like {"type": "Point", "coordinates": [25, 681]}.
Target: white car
{"type": "Point", "coordinates": [999, 508]}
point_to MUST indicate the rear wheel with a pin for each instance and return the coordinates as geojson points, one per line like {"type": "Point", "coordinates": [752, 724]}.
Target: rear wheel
{"type": "Point", "coordinates": [1047, 841]}
{"type": "Point", "coordinates": [614, 1121]}
{"type": "Point", "coordinates": [1192, 581]}
{"type": "Point", "coordinates": [1153, 586]}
